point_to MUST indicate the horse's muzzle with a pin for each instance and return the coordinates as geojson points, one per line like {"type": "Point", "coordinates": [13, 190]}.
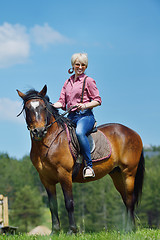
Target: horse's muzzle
{"type": "Point", "coordinates": [38, 133]}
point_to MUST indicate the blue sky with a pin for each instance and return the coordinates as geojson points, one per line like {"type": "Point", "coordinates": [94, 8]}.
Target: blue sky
{"type": "Point", "coordinates": [122, 39]}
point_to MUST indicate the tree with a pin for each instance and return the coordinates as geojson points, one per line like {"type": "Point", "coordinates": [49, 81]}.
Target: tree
{"type": "Point", "coordinates": [98, 205]}
{"type": "Point", "coordinates": [149, 210]}
{"type": "Point", "coordinates": [26, 209]}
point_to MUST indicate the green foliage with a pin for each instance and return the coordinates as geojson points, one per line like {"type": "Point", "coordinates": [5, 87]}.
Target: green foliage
{"type": "Point", "coordinates": [27, 208]}
{"type": "Point", "coordinates": [149, 210]}
{"type": "Point", "coordinates": [152, 148]}
{"type": "Point", "coordinates": [16, 174]}
{"type": "Point", "coordinates": [156, 148]}
{"type": "Point", "coordinates": [20, 182]}
{"type": "Point", "coordinates": [98, 205]}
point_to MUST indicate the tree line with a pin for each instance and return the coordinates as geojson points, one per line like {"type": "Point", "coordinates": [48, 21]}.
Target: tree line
{"type": "Point", "coordinates": [98, 205]}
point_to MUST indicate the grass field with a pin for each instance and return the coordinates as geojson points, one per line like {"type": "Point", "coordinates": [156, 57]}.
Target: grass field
{"type": "Point", "coordinates": [143, 234]}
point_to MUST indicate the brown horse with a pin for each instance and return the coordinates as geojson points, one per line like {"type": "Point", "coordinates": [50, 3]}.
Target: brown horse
{"type": "Point", "coordinates": [51, 156]}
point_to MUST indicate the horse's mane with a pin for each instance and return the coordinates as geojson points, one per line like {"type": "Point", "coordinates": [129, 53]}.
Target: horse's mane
{"type": "Point", "coordinates": [61, 120]}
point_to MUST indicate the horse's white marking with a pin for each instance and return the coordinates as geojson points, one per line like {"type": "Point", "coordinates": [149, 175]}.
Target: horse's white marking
{"type": "Point", "coordinates": [35, 104]}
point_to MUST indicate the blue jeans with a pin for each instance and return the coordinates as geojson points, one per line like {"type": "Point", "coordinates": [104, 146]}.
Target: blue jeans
{"type": "Point", "coordinates": [84, 122]}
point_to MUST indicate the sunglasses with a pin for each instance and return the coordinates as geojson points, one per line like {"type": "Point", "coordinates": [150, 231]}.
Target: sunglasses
{"type": "Point", "coordinates": [78, 65]}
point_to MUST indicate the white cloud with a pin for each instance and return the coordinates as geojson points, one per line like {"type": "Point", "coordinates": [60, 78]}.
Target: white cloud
{"type": "Point", "coordinates": [15, 41]}
{"type": "Point", "coordinates": [14, 45]}
{"type": "Point", "coordinates": [9, 110]}
{"type": "Point", "coordinates": [44, 35]}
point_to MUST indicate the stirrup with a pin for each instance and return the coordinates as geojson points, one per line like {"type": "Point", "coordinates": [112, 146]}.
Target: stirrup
{"type": "Point", "coordinates": [88, 175]}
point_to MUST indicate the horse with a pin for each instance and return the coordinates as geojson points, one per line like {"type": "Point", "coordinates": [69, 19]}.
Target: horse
{"type": "Point", "coordinates": [51, 156]}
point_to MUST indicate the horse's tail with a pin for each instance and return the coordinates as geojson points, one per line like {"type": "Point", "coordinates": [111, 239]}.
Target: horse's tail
{"type": "Point", "coordinates": [139, 179]}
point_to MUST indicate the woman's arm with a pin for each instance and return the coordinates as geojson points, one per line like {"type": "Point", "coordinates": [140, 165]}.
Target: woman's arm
{"type": "Point", "coordinates": [92, 104]}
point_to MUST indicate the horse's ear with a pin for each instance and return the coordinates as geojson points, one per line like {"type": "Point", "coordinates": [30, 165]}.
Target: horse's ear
{"type": "Point", "coordinates": [22, 95]}
{"type": "Point", "coordinates": [43, 91]}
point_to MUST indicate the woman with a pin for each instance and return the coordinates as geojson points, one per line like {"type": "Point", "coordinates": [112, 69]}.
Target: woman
{"type": "Point", "coordinates": [72, 94]}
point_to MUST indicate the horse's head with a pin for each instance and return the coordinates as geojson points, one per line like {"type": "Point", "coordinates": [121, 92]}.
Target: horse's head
{"type": "Point", "coordinates": [37, 117]}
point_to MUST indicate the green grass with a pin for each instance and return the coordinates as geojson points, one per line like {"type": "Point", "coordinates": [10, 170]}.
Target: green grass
{"type": "Point", "coordinates": [143, 234]}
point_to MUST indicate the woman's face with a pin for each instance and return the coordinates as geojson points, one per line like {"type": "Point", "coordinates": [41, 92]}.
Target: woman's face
{"type": "Point", "coordinates": [79, 67]}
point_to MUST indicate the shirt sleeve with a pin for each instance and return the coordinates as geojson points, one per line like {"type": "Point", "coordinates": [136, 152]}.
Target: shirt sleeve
{"type": "Point", "coordinates": [93, 90]}
{"type": "Point", "coordinates": [62, 98]}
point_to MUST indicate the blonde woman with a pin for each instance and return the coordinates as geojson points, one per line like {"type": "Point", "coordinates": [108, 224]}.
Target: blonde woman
{"type": "Point", "coordinates": [80, 90]}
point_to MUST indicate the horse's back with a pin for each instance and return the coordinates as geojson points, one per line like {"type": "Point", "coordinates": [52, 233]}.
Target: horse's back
{"type": "Point", "coordinates": [119, 131]}
{"type": "Point", "coordinates": [125, 142]}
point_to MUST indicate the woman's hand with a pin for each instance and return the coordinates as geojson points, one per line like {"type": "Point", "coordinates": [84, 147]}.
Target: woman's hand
{"type": "Point", "coordinates": [57, 105]}
{"type": "Point", "coordinates": [81, 106]}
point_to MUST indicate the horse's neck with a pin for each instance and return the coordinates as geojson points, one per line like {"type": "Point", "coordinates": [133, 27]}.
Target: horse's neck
{"type": "Point", "coordinates": [55, 129]}
{"type": "Point", "coordinates": [47, 149]}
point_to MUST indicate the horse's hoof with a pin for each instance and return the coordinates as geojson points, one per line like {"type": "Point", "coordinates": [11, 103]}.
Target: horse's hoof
{"type": "Point", "coordinates": [56, 230]}
{"type": "Point", "coordinates": [54, 233]}
{"type": "Point", "coordinates": [72, 230]}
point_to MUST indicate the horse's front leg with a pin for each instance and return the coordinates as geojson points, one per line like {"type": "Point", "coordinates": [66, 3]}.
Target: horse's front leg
{"type": "Point", "coordinates": [66, 184]}
{"type": "Point", "coordinates": [52, 198]}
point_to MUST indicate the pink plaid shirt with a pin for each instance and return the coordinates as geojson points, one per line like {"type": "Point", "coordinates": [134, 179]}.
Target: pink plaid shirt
{"type": "Point", "coordinates": [72, 91]}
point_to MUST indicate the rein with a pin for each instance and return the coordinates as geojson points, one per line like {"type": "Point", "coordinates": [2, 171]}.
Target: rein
{"type": "Point", "coordinates": [62, 115]}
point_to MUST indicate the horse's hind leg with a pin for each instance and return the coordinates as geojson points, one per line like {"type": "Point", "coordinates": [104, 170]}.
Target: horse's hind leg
{"type": "Point", "coordinates": [125, 186]}
{"type": "Point", "coordinates": [130, 204]}
{"type": "Point", "coordinates": [118, 181]}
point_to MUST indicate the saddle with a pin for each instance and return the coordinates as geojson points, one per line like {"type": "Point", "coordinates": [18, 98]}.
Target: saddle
{"type": "Point", "coordinates": [99, 145]}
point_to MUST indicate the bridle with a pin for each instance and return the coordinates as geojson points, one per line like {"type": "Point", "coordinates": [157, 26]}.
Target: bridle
{"type": "Point", "coordinates": [47, 105]}
{"type": "Point", "coordinates": [49, 108]}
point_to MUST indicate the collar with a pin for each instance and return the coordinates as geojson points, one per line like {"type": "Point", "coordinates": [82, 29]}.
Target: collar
{"type": "Point", "coordinates": [79, 78]}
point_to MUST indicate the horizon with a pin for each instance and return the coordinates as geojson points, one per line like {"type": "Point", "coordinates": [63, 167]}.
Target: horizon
{"type": "Point", "coordinates": [37, 40]}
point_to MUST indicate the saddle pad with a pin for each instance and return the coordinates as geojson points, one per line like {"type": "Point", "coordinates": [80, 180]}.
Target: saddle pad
{"type": "Point", "coordinates": [102, 148]}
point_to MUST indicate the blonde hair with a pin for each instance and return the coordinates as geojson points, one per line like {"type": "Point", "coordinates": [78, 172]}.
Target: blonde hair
{"type": "Point", "coordinates": [82, 57]}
